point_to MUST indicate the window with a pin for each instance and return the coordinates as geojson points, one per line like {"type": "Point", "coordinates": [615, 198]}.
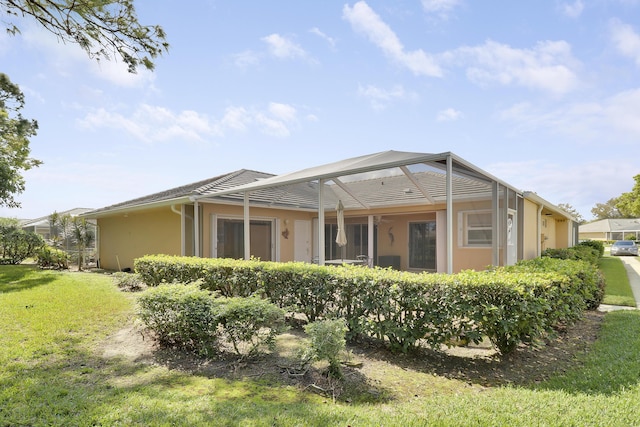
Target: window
{"type": "Point", "coordinates": [357, 241]}
{"type": "Point", "coordinates": [476, 228]}
{"type": "Point", "coordinates": [230, 237]}
{"type": "Point", "coordinates": [422, 245]}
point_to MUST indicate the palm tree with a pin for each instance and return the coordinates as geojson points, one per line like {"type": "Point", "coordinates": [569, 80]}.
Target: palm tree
{"type": "Point", "coordinates": [83, 236]}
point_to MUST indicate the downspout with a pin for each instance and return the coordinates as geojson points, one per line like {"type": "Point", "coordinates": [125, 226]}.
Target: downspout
{"type": "Point", "coordinates": [321, 242]}
{"type": "Point", "coordinates": [495, 223]}
{"type": "Point", "coordinates": [196, 228]}
{"type": "Point", "coordinates": [449, 190]}
{"type": "Point", "coordinates": [247, 227]}
{"type": "Point", "coordinates": [370, 226]}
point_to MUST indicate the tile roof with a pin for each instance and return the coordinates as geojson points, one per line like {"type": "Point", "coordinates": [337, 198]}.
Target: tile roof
{"type": "Point", "coordinates": [199, 188]}
{"type": "Point", "coordinates": [612, 224]}
{"type": "Point", "coordinates": [44, 220]}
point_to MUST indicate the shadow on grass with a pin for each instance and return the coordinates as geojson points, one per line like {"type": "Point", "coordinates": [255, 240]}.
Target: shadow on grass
{"type": "Point", "coordinates": [83, 389]}
{"type": "Point", "coordinates": [611, 366]}
{"type": "Point", "coordinates": [16, 278]}
{"type": "Point", "coordinates": [526, 366]}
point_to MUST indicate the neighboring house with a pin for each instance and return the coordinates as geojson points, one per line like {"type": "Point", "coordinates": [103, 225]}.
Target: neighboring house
{"type": "Point", "coordinates": [410, 211]}
{"type": "Point", "coordinates": [42, 225]}
{"type": "Point", "coordinates": [610, 229]}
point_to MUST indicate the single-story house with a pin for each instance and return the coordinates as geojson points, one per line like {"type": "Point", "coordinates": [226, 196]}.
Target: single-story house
{"type": "Point", "coordinates": [409, 211]}
{"type": "Point", "coordinates": [610, 229]}
{"type": "Point", "coordinates": [42, 225]}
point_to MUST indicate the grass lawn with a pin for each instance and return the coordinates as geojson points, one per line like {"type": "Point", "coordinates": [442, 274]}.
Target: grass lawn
{"type": "Point", "coordinates": [617, 291]}
{"type": "Point", "coordinates": [51, 373]}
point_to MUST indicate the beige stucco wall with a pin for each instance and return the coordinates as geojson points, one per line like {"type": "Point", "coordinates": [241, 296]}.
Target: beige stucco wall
{"type": "Point", "coordinates": [285, 219]}
{"type": "Point", "coordinates": [530, 235]}
{"type": "Point", "coordinates": [126, 237]}
{"type": "Point", "coordinates": [397, 222]}
{"type": "Point", "coordinates": [562, 233]}
{"type": "Point", "coordinates": [158, 230]}
{"type": "Point", "coordinates": [596, 235]}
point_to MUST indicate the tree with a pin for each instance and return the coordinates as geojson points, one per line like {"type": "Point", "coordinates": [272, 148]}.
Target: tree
{"type": "Point", "coordinates": [16, 244]}
{"type": "Point", "coordinates": [83, 236]}
{"type": "Point", "coordinates": [571, 211]}
{"type": "Point", "coordinates": [629, 203]}
{"type": "Point", "coordinates": [606, 210]}
{"type": "Point", "coordinates": [15, 132]}
{"type": "Point", "coordinates": [103, 28]}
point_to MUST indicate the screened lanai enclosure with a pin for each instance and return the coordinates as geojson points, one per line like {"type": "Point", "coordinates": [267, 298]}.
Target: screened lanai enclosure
{"type": "Point", "coordinates": [409, 211]}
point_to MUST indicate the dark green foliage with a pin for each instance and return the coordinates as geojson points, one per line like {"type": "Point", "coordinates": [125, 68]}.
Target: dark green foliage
{"type": "Point", "coordinates": [595, 244]}
{"type": "Point", "coordinates": [228, 277]}
{"type": "Point", "coordinates": [48, 257]}
{"type": "Point", "coordinates": [16, 245]}
{"type": "Point", "coordinates": [182, 316]}
{"type": "Point", "coordinates": [509, 305]}
{"type": "Point", "coordinates": [15, 132]}
{"type": "Point", "coordinates": [250, 322]}
{"type": "Point", "coordinates": [585, 252]}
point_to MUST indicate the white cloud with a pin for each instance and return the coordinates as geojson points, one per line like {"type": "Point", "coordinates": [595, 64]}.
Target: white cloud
{"type": "Point", "coordinates": [449, 115]}
{"type": "Point", "coordinates": [364, 20]}
{"type": "Point", "coordinates": [439, 5]}
{"type": "Point", "coordinates": [236, 118]}
{"type": "Point", "coordinates": [610, 121]}
{"type": "Point", "coordinates": [283, 112]}
{"type": "Point", "coordinates": [625, 39]}
{"type": "Point", "coordinates": [330, 40]}
{"type": "Point", "coordinates": [65, 59]}
{"type": "Point", "coordinates": [277, 120]}
{"type": "Point", "coordinates": [380, 98]}
{"type": "Point", "coordinates": [246, 59]}
{"type": "Point", "coordinates": [548, 66]}
{"type": "Point", "coordinates": [573, 10]}
{"type": "Point", "coordinates": [152, 124]}
{"type": "Point", "coordinates": [582, 185]}
{"type": "Point", "coordinates": [283, 48]}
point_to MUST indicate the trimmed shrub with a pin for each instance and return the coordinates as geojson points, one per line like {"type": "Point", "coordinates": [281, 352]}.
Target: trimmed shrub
{"type": "Point", "coordinates": [509, 305]}
{"type": "Point", "coordinates": [228, 277]}
{"type": "Point", "coordinates": [300, 287]}
{"type": "Point", "coordinates": [182, 316]}
{"type": "Point", "coordinates": [595, 244]}
{"type": "Point", "coordinates": [250, 322]}
{"type": "Point", "coordinates": [48, 257]}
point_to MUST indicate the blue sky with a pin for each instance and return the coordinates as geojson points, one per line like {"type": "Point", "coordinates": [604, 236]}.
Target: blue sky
{"type": "Point", "coordinates": [544, 95]}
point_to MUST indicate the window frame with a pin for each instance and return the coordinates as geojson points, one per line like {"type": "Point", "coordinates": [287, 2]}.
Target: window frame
{"type": "Point", "coordinates": [465, 229]}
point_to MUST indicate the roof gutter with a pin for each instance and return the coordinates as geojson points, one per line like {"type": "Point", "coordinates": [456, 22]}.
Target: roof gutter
{"type": "Point", "coordinates": [128, 209]}
{"type": "Point", "coordinates": [547, 205]}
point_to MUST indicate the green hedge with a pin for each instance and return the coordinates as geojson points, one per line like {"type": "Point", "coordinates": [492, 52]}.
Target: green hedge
{"type": "Point", "coordinates": [509, 305]}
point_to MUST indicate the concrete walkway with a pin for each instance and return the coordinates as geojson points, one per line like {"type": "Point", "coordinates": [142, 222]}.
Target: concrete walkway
{"type": "Point", "coordinates": [632, 265]}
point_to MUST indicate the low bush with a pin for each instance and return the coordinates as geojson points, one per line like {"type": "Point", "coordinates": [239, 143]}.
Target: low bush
{"type": "Point", "coordinates": [595, 244]}
{"type": "Point", "coordinates": [590, 252]}
{"type": "Point", "coordinates": [129, 282]}
{"type": "Point", "coordinates": [250, 324]}
{"type": "Point", "coordinates": [228, 277]}
{"type": "Point", "coordinates": [587, 280]}
{"type": "Point", "coordinates": [182, 316]}
{"type": "Point", "coordinates": [509, 305]}
{"type": "Point", "coordinates": [326, 342]}
{"type": "Point", "coordinates": [48, 257]}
